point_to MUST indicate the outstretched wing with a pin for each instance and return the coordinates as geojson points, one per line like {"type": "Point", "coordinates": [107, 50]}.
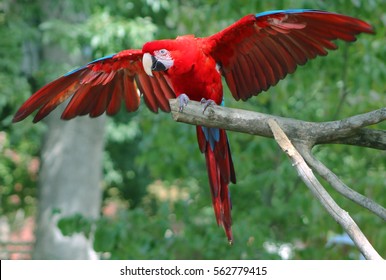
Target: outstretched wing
{"type": "Point", "coordinates": [259, 50]}
{"type": "Point", "coordinates": [101, 86]}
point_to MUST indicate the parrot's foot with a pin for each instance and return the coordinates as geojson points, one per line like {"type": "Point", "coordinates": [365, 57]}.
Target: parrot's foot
{"type": "Point", "coordinates": [207, 103]}
{"type": "Point", "coordinates": [183, 100]}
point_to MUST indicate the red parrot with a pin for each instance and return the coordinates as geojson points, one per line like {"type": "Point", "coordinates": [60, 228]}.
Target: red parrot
{"type": "Point", "coordinates": [252, 54]}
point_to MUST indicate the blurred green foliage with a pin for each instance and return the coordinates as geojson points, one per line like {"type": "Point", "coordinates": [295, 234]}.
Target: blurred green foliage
{"type": "Point", "coordinates": [154, 175]}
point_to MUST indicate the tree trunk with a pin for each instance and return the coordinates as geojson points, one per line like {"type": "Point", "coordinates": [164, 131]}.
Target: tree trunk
{"type": "Point", "coordinates": [69, 183]}
{"type": "Point", "coordinates": [71, 169]}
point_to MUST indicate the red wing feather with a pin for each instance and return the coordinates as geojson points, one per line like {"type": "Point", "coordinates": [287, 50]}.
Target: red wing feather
{"type": "Point", "coordinates": [129, 93]}
{"type": "Point", "coordinates": [49, 96]}
{"type": "Point", "coordinates": [100, 87]}
{"type": "Point", "coordinates": [116, 95]}
{"type": "Point", "coordinates": [275, 43]}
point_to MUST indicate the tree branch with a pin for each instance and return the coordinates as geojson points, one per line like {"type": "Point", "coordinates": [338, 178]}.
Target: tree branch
{"type": "Point", "coordinates": [347, 131]}
{"type": "Point", "coordinates": [306, 174]}
{"type": "Point", "coordinates": [338, 185]}
{"type": "Point", "coordinates": [364, 137]}
{"type": "Point", "coordinates": [305, 135]}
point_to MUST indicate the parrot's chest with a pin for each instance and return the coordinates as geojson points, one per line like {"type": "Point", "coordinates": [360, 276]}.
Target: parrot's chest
{"type": "Point", "coordinates": [203, 80]}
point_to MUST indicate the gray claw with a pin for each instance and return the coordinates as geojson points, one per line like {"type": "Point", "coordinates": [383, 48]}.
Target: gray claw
{"type": "Point", "coordinates": [207, 103]}
{"type": "Point", "coordinates": [183, 100]}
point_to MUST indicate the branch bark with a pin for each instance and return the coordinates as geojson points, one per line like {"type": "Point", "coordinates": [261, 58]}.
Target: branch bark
{"type": "Point", "coordinates": [339, 186]}
{"type": "Point", "coordinates": [348, 131]}
{"type": "Point", "coordinates": [308, 177]}
{"type": "Point", "coordinates": [304, 135]}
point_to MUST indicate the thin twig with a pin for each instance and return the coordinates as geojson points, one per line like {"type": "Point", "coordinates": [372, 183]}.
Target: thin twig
{"type": "Point", "coordinates": [306, 174]}
{"type": "Point", "coordinates": [338, 185]}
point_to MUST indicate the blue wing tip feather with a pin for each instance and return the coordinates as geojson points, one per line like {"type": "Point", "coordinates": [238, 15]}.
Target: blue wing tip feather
{"type": "Point", "coordinates": [73, 71]}
{"type": "Point", "coordinates": [102, 58]}
{"type": "Point", "coordinates": [290, 11]}
{"type": "Point", "coordinates": [94, 61]}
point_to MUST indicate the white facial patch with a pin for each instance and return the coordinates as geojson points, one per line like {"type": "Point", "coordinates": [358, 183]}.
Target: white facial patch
{"type": "Point", "coordinates": [164, 57]}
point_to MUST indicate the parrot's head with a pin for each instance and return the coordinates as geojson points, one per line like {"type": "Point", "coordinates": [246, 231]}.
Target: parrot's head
{"type": "Point", "coordinates": [163, 55]}
{"type": "Point", "coordinates": [157, 60]}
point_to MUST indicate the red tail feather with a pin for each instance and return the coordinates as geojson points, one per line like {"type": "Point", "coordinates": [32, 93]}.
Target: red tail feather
{"type": "Point", "coordinates": [220, 172]}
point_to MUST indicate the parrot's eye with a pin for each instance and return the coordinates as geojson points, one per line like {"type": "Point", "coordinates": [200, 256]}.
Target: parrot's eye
{"type": "Point", "coordinates": [162, 60]}
{"type": "Point", "coordinates": [163, 53]}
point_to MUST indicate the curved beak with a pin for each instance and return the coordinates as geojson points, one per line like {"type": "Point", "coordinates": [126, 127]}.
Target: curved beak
{"type": "Point", "coordinates": [151, 63]}
{"type": "Point", "coordinates": [147, 62]}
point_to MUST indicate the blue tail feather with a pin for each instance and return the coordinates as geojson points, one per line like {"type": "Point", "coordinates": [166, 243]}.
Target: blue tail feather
{"type": "Point", "coordinates": [212, 135]}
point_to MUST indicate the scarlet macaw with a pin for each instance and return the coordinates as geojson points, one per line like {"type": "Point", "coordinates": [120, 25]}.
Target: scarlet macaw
{"type": "Point", "coordinates": [252, 54]}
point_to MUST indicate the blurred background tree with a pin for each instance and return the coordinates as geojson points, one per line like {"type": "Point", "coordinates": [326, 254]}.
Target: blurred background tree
{"type": "Point", "coordinates": [156, 200]}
